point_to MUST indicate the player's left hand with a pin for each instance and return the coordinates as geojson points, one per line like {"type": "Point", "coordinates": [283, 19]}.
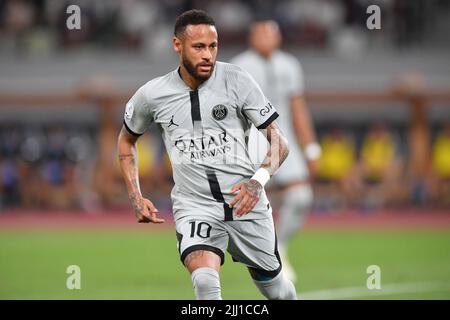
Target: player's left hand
{"type": "Point", "coordinates": [248, 196]}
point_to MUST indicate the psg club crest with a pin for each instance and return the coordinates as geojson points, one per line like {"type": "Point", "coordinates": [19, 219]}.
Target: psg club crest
{"type": "Point", "coordinates": [219, 112]}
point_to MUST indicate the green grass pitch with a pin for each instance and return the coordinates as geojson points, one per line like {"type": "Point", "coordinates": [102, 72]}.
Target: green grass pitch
{"type": "Point", "coordinates": [145, 265]}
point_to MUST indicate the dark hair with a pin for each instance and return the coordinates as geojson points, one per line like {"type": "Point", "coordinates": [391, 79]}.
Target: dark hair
{"type": "Point", "coordinates": [194, 17]}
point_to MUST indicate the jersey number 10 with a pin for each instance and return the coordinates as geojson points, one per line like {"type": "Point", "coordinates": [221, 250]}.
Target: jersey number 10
{"type": "Point", "coordinates": [203, 229]}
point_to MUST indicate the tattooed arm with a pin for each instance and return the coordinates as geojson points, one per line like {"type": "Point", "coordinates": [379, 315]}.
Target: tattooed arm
{"type": "Point", "coordinates": [143, 208]}
{"type": "Point", "coordinates": [250, 191]}
{"type": "Point", "coordinates": [279, 148]}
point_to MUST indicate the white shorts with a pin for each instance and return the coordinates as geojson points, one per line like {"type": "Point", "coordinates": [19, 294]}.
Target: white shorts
{"type": "Point", "coordinates": [251, 242]}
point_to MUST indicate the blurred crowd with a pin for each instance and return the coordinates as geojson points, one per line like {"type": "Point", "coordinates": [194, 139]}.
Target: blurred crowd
{"type": "Point", "coordinates": [368, 170]}
{"type": "Point", "coordinates": [45, 167]}
{"type": "Point", "coordinates": [363, 168]}
{"type": "Point", "coordinates": [39, 26]}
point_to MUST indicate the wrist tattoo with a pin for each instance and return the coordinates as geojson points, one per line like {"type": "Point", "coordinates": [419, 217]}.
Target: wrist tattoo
{"type": "Point", "coordinates": [136, 203]}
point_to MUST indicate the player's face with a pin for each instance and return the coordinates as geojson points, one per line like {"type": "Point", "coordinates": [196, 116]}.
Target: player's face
{"type": "Point", "coordinates": [265, 37]}
{"type": "Point", "coordinates": [198, 50]}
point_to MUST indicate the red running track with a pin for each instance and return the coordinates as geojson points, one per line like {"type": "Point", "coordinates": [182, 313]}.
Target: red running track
{"type": "Point", "coordinates": [124, 220]}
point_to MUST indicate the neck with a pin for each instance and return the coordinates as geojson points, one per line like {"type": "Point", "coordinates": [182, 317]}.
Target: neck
{"type": "Point", "coordinates": [190, 81]}
{"type": "Point", "coordinates": [265, 55]}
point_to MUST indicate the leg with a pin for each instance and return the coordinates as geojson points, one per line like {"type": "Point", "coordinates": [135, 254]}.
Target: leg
{"type": "Point", "coordinates": [201, 244]}
{"type": "Point", "coordinates": [254, 243]}
{"type": "Point", "coordinates": [204, 267]}
{"type": "Point", "coordinates": [297, 201]}
{"type": "Point", "coordinates": [274, 288]}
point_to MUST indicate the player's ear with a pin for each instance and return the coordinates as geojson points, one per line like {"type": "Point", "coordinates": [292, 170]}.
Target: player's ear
{"type": "Point", "coordinates": [177, 44]}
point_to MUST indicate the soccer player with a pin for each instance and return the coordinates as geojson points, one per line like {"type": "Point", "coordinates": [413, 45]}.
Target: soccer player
{"type": "Point", "coordinates": [204, 110]}
{"type": "Point", "coordinates": [280, 76]}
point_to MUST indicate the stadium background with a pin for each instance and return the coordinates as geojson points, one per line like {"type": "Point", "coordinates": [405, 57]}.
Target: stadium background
{"type": "Point", "coordinates": [379, 100]}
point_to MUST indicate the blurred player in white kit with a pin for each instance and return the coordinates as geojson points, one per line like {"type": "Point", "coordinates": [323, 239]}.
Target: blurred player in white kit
{"type": "Point", "coordinates": [280, 76]}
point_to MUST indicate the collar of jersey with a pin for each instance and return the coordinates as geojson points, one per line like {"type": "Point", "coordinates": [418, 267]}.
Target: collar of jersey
{"type": "Point", "coordinates": [180, 81]}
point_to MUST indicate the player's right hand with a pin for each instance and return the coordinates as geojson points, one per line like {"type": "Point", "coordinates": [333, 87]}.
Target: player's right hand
{"type": "Point", "coordinates": [145, 211]}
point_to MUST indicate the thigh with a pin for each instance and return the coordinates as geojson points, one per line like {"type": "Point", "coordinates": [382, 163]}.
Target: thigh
{"type": "Point", "coordinates": [254, 243]}
{"type": "Point", "coordinates": [200, 239]}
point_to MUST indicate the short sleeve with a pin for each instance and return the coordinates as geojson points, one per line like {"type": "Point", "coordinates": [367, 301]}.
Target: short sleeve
{"type": "Point", "coordinates": [137, 117]}
{"type": "Point", "coordinates": [296, 83]}
{"type": "Point", "coordinates": [256, 107]}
